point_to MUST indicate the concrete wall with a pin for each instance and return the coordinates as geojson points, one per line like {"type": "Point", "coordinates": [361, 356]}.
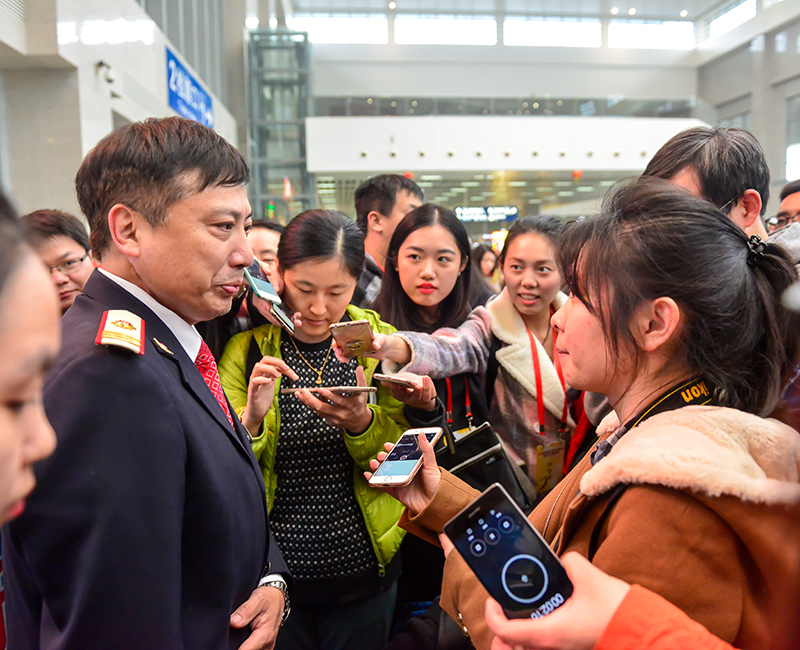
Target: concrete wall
{"type": "Point", "coordinates": [759, 77]}
{"type": "Point", "coordinates": [501, 71]}
{"type": "Point", "coordinates": [438, 143]}
{"type": "Point", "coordinates": [58, 102]}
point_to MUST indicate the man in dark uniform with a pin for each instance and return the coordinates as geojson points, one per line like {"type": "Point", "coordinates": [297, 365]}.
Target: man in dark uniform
{"type": "Point", "coordinates": [149, 525]}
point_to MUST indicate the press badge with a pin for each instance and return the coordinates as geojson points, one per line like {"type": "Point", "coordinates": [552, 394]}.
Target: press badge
{"type": "Point", "coordinates": [549, 466]}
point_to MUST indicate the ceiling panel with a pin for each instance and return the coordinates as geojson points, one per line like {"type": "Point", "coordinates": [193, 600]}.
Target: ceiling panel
{"type": "Point", "coordinates": [652, 9]}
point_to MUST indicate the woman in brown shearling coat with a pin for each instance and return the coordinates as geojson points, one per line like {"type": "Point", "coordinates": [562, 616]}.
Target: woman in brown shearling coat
{"type": "Point", "coordinates": [675, 316]}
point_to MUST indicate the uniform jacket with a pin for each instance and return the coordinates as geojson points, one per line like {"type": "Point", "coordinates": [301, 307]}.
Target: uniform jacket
{"type": "Point", "coordinates": [513, 413]}
{"type": "Point", "coordinates": [381, 512]}
{"type": "Point", "coordinates": [148, 526]}
{"type": "Point", "coordinates": [691, 504]}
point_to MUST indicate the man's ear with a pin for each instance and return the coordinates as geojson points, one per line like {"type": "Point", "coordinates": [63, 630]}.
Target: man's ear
{"type": "Point", "coordinates": [751, 200]}
{"type": "Point", "coordinates": [656, 322]}
{"type": "Point", "coordinates": [125, 226]}
{"type": "Point", "coordinates": [375, 221]}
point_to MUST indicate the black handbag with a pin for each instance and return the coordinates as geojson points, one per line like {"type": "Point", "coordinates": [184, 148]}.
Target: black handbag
{"type": "Point", "coordinates": [478, 458]}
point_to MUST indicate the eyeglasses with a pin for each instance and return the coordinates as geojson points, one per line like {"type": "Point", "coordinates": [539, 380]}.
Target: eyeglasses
{"type": "Point", "coordinates": [733, 200]}
{"type": "Point", "coordinates": [784, 219]}
{"type": "Point", "coordinates": [68, 267]}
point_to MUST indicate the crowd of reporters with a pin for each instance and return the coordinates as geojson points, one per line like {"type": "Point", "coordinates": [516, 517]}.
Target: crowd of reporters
{"type": "Point", "coordinates": [567, 342]}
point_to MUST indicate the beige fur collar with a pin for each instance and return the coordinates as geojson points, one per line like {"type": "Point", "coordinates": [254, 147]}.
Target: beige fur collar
{"type": "Point", "coordinates": [516, 357]}
{"type": "Point", "coordinates": [707, 449]}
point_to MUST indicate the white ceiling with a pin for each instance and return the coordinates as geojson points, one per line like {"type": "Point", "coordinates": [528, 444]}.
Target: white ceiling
{"type": "Point", "coordinates": [646, 9]}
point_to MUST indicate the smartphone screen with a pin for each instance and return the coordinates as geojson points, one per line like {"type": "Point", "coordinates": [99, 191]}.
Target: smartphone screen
{"type": "Point", "coordinates": [510, 558]}
{"type": "Point", "coordinates": [404, 459]}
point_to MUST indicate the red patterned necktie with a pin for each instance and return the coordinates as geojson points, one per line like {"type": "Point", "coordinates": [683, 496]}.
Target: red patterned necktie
{"type": "Point", "coordinates": [208, 368]}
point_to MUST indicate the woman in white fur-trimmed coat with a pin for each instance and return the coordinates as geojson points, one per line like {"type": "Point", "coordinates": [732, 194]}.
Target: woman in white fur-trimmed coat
{"type": "Point", "coordinates": [692, 493]}
{"type": "Point", "coordinates": [519, 318]}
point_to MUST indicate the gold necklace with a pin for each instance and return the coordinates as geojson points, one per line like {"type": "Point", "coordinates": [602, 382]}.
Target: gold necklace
{"type": "Point", "coordinates": [305, 361]}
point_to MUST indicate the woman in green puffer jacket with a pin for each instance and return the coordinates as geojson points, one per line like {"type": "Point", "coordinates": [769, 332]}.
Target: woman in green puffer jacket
{"type": "Point", "coordinates": [338, 535]}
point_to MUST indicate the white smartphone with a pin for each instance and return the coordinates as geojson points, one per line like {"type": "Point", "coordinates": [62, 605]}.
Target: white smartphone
{"type": "Point", "coordinates": [264, 290]}
{"type": "Point", "coordinates": [405, 458]}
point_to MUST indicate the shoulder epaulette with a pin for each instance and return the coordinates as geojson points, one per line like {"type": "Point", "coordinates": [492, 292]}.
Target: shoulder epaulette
{"type": "Point", "coordinates": [121, 328]}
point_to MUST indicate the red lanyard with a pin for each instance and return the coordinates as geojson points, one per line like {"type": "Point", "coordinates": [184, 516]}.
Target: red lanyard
{"type": "Point", "coordinates": [467, 402]}
{"type": "Point", "coordinates": [538, 372]}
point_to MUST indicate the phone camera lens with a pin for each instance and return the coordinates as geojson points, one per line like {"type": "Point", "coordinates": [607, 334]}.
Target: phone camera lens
{"type": "Point", "coordinates": [492, 536]}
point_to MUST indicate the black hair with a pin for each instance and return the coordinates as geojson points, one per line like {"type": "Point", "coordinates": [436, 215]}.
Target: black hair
{"type": "Point", "coordinates": [393, 303]}
{"type": "Point", "coordinates": [379, 194]}
{"type": "Point", "coordinates": [548, 227]}
{"type": "Point", "coordinates": [790, 188]}
{"type": "Point", "coordinates": [479, 252]}
{"type": "Point", "coordinates": [12, 241]}
{"type": "Point", "coordinates": [150, 165]}
{"type": "Point", "coordinates": [263, 224]}
{"type": "Point", "coordinates": [653, 239]}
{"type": "Point", "coordinates": [726, 159]}
{"type": "Point", "coordinates": [318, 235]}
{"type": "Point", "coordinates": [42, 225]}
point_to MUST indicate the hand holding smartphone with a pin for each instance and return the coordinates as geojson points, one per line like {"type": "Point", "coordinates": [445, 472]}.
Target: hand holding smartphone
{"type": "Point", "coordinates": [509, 557]}
{"type": "Point", "coordinates": [404, 460]}
{"type": "Point", "coordinates": [277, 308]}
{"type": "Point", "coordinates": [393, 379]}
{"type": "Point", "coordinates": [354, 338]}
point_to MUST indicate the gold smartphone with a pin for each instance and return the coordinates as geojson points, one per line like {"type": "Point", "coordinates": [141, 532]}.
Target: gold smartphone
{"type": "Point", "coordinates": [355, 337]}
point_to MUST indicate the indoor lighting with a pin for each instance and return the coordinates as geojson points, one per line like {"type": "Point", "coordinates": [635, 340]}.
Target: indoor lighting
{"type": "Point", "coordinates": [614, 11]}
{"type": "Point", "coordinates": [392, 6]}
{"type": "Point", "coordinates": [684, 13]}
{"type": "Point", "coordinates": [631, 11]}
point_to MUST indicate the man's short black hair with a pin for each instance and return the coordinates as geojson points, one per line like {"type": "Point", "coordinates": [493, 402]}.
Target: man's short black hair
{"type": "Point", "coordinates": [42, 225]}
{"type": "Point", "coordinates": [264, 224]}
{"type": "Point", "coordinates": [379, 193]}
{"type": "Point", "coordinates": [727, 161]}
{"type": "Point", "coordinates": [790, 188]}
{"type": "Point", "coordinates": [148, 166]}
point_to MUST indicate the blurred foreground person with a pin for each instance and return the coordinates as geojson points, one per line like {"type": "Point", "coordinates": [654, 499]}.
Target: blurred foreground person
{"type": "Point", "coordinates": [62, 242]}
{"type": "Point", "coordinates": [149, 527]}
{"type": "Point", "coordinates": [29, 339]}
{"type": "Point", "coordinates": [28, 344]}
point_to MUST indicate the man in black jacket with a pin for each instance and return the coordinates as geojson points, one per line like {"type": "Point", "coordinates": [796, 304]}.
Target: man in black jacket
{"type": "Point", "coordinates": [149, 526]}
{"type": "Point", "coordinates": [381, 203]}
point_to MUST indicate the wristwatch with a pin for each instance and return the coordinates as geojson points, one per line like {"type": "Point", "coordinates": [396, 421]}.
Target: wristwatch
{"type": "Point", "coordinates": [280, 585]}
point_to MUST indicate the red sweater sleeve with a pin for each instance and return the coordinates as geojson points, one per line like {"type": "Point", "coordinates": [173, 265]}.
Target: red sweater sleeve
{"type": "Point", "coordinates": [646, 621]}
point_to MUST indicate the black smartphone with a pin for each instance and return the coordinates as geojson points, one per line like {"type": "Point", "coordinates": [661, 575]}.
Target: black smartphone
{"type": "Point", "coordinates": [509, 557]}
{"type": "Point", "coordinates": [263, 289]}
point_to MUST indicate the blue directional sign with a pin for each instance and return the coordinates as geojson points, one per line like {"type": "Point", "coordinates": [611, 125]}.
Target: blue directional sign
{"type": "Point", "coordinates": [186, 96]}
